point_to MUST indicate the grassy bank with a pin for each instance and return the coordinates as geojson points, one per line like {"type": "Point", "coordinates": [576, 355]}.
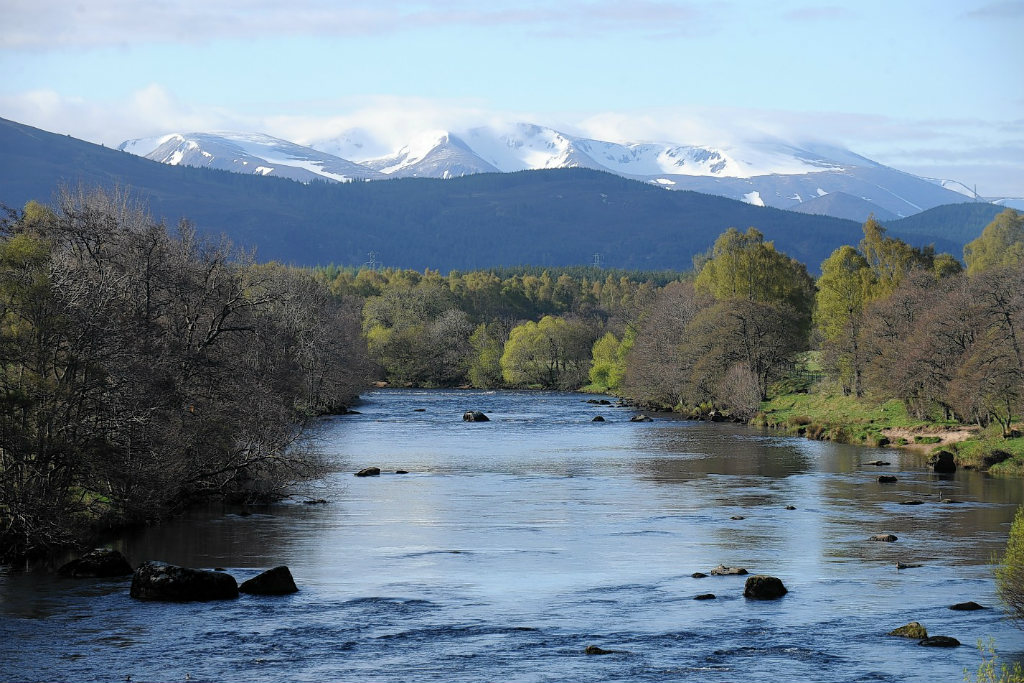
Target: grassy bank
{"type": "Point", "coordinates": [825, 415]}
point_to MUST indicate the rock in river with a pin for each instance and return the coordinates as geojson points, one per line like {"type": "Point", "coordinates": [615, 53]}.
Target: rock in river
{"type": "Point", "coordinates": [887, 479]}
{"type": "Point", "coordinates": [598, 418]}
{"type": "Point", "coordinates": [276, 581]}
{"type": "Point", "coordinates": [704, 596]}
{"type": "Point", "coordinates": [885, 538]}
{"type": "Point", "coordinates": [912, 630]}
{"type": "Point", "coordinates": [940, 641]}
{"type": "Point", "coordinates": [368, 472]}
{"type": "Point", "coordinates": [98, 563]}
{"type": "Point", "coordinates": [967, 606]}
{"type": "Point", "coordinates": [762, 587]}
{"type": "Point", "coordinates": [595, 650]}
{"type": "Point", "coordinates": [162, 581]}
{"type": "Point", "coordinates": [942, 462]}
{"type": "Point", "coordinates": [722, 570]}
{"type": "Point", "coordinates": [474, 416]}
{"type": "Point", "coordinates": [641, 418]}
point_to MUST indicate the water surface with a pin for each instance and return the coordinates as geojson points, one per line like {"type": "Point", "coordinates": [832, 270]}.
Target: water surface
{"type": "Point", "coordinates": [514, 544]}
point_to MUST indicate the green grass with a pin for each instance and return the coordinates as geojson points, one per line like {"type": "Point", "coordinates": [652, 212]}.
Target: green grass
{"type": "Point", "coordinates": [833, 416]}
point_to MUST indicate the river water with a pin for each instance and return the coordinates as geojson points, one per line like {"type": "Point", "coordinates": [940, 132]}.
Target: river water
{"type": "Point", "coordinates": [514, 544]}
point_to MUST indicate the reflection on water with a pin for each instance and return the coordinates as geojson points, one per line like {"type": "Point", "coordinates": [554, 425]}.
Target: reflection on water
{"type": "Point", "coordinates": [512, 545]}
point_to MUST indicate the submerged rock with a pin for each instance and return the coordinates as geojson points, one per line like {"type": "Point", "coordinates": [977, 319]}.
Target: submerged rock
{"type": "Point", "coordinates": [907, 565]}
{"type": "Point", "coordinates": [790, 507]}
{"type": "Point", "coordinates": [595, 650]}
{"type": "Point", "coordinates": [698, 575]}
{"type": "Point", "coordinates": [705, 596]}
{"type": "Point", "coordinates": [598, 418]}
{"type": "Point", "coordinates": [98, 563]}
{"type": "Point", "coordinates": [887, 479]}
{"type": "Point", "coordinates": [912, 630]}
{"type": "Point", "coordinates": [762, 587]}
{"type": "Point", "coordinates": [885, 538]}
{"type": "Point", "coordinates": [368, 472]}
{"type": "Point", "coordinates": [474, 416]}
{"type": "Point", "coordinates": [401, 471]}
{"type": "Point", "coordinates": [940, 641]}
{"type": "Point", "coordinates": [877, 463]}
{"type": "Point", "coordinates": [276, 581]}
{"type": "Point", "coordinates": [641, 418]}
{"type": "Point", "coordinates": [912, 502]}
{"type": "Point", "coordinates": [168, 582]}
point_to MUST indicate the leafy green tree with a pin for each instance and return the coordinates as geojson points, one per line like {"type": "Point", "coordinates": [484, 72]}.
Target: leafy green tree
{"type": "Point", "coordinates": [744, 266]}
{"type": "Point", "coordinates": [1001, 243]}
{"type": "Point", "coordinates": [552, 353]}
{"type": "Point", "coordinates": [488, 343]}
{"type": "Point", "coordinates": [890, 259]}
{"type": "Point", "coordinates": [609, 360]}
{"type": "Point", "coordinates": [845, 286]}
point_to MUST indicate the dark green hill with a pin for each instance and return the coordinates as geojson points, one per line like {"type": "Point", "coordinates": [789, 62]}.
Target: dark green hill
{"type": "Point", "coordinates": [556, 217]}
{"type": "Point", "coordinates": [959, 223]}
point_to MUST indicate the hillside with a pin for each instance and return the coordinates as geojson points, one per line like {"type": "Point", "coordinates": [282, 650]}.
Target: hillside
{"type": "Point", "coordinates": [554, 217]}
{"type": "Point", "coordinates": [959, 223]}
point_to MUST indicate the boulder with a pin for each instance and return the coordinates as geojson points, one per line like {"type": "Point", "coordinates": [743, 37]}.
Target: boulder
{"type": "Point", "coordinates": [162, 581]}
{"type": "Point", "coordinates": [474, 416]}
{"type": "Point", "coordinates": [595, 650]}
{"type": "Point", "coordinates": [885, 538]}
{"type": "Point", "coordinates": [940, 641]}
{"type": "Point", "coordinates": [641, 418]}
{"type": "Point", "coordinates": [722, 570]}
{"type": "Point", "coordinates": [912, 502]}
{"type": "Point", "coordinates": [967, 606]}
{"type": "Point", "coordinates": [704, 596]}
{"type": "Point", "coordinates": [315, 501]}
{"type": "Point", "coordinates": [699, 575]}
{"type": "Point", "coordinates": [276, 581]}
{"type": "Point", "coordinates": [943, 462]}
{"type": "Point", "coordinates": [737, 517]}
{"type": "Point", "coordinates": [790, 507]}
{"type": "Point", "coordinates": [762, 587]}
{"type": "Point", "coordinates": [98, 563]}
{"type": "Point", "coordinates": [401, 471]}
{"type": "Point", "coordinates": [877, 463]}
{"type": "Point", "coordinates": [419, 410]}
{"type": "Point", "coordinates": [906, 565]}
{"type": "Point", "coordinates": [598, 418]}
{"type": "Point", "coordinates": [368, 472]}
{"type": "Point", "coordinates": [912, 630]}
{"type": "Point", "coordinates": [887, 479]}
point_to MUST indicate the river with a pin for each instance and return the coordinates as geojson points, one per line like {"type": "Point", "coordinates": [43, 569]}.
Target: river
{"type": "Point", "coordinates": [512, 545]}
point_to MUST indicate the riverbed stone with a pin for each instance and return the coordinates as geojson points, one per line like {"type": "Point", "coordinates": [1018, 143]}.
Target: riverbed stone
{"type": "Point", "coordinates": [970, 606]}
{"type": "Point", "coordinates": [474, 416]}
{"type": "Point", "coordinates": [595, 650]}
{"type": "Point", "coordinates": [887, 479]}
{"type": "Point", "coordinates": [940, 641]}
{"type": "Point", "coordinates": [705, 596]}
{"type": "Point", "coordinates": [98, 563]}
{"type": "Point", "coordinates": [885, 538]}
{"type": "Point", "coordinates": [763, 587]}
{"type": "Point", "coordinates": [699, 575]}
{"type": "Point", "coordinates": [369, 472]}
{"type": "Point", "coordinates": [598, 418]}
{"type": "Point", "coordinates": [641, 418]}
{"type": "Point", "coordinates": [276, 581]}
{"type": "Point", "coordinates": [943, 462]}
{"type": "Point", "coordinates": [722, 570]}
{"type": "Point", "coordinates": [877, 463]}
{"type": "Point", "coordinates": [912, 630]}
{"type": "Point", "coordinates": [171, 583]}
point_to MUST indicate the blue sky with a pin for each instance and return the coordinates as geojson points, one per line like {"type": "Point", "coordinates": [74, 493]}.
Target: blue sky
{"type": "Point", "coordinates": [933, 88]}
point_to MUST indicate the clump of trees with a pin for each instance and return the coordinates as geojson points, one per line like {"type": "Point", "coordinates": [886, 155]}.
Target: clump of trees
{"type": "Point", "coordinates": [900, 322]}
{"type": "Point", "coordinates": [143, 368]}
{"type": "Point", "coordinates": [722, 340]}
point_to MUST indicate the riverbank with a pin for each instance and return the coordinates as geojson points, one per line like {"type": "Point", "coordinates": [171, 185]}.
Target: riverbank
{"type": "Point", "coordinates": [830, 416]}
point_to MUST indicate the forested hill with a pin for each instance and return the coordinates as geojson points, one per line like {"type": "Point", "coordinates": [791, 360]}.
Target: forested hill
{"type": "Point", "coordinates": [556, 217]}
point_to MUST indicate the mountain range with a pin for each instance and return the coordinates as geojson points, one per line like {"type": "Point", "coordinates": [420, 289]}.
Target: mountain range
{"type": "Point", "coordinates": [810, 178]}
{"type": "Point", "coordinates": [553, 217]}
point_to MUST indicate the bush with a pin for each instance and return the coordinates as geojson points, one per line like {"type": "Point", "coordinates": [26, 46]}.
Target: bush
{"type": "Point", "coordinates": [1010, 572]}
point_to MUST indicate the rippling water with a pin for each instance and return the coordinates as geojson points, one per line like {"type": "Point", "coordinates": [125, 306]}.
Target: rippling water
{"type": "Point", "coordinates": [514, 544]}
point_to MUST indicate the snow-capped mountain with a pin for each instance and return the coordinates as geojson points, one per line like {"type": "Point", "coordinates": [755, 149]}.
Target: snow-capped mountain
{"type": "Point", "coordinates": [766, 173]}
{"type": "Point", "coordinates": [249, 153]}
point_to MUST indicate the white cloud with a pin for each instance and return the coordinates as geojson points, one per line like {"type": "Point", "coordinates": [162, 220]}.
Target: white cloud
{"type": "Point", "coordinates": [46, 24]}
